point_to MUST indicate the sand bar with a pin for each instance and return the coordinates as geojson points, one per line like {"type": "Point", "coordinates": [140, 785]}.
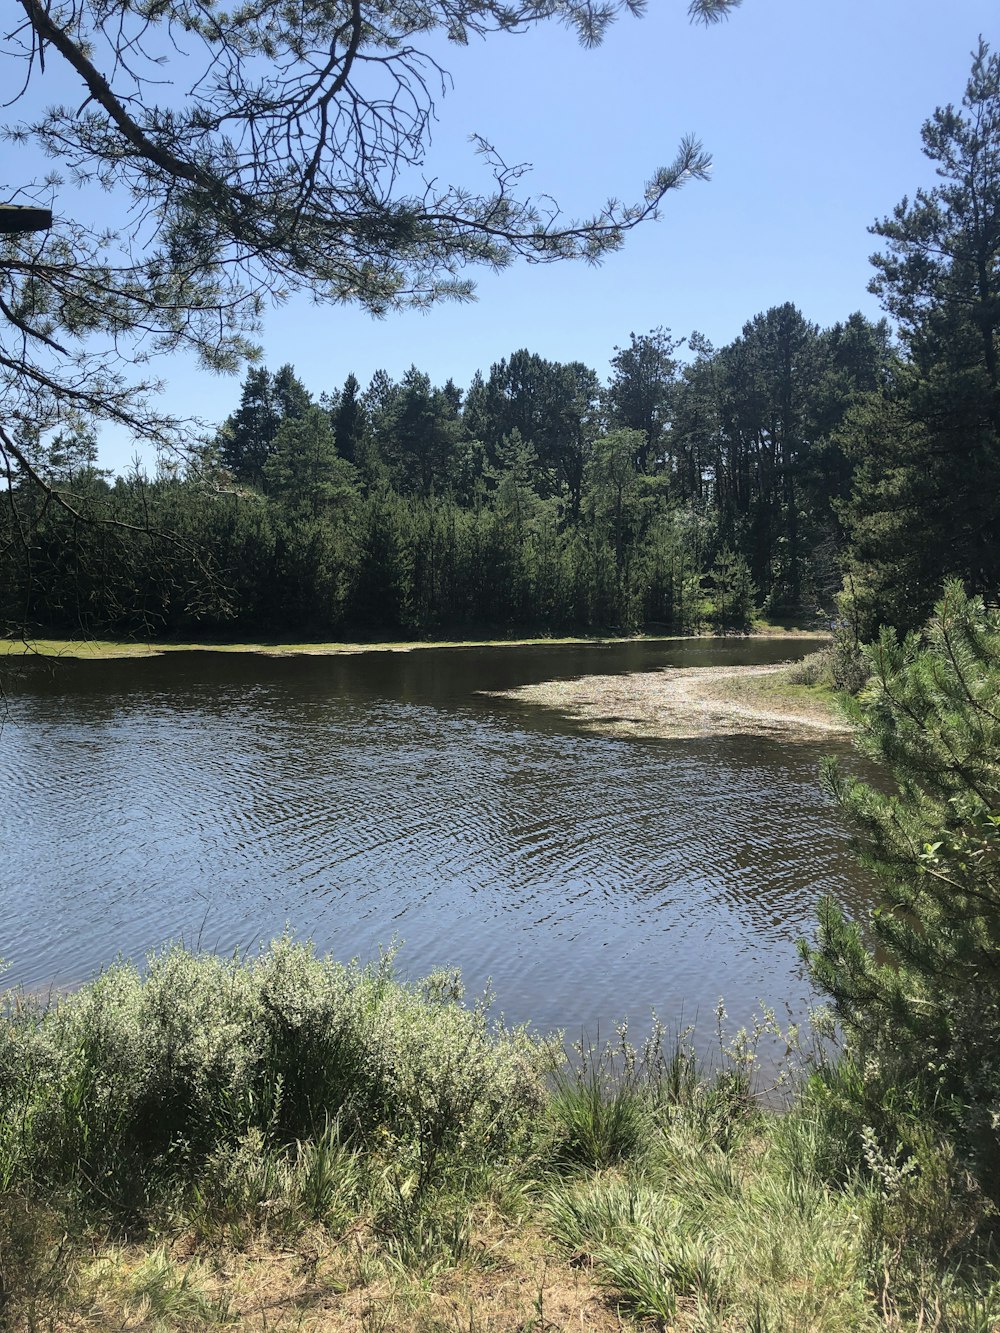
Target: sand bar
{"type": "Point", "coordinates": [690, 702]}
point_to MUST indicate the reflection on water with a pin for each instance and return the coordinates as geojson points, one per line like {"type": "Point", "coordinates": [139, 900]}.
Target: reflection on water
{"type": "Point", "coordinates": [355, 800]}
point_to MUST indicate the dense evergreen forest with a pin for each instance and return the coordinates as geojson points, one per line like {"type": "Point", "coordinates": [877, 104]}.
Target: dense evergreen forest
{"type": "Point", "coordinates": [796, 471]}
{"type": "Point", "coordinates": [695, 483]}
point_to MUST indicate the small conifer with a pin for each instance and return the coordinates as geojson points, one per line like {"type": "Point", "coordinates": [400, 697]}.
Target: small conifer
{"type": "Point", "coordinates": [917, 987]}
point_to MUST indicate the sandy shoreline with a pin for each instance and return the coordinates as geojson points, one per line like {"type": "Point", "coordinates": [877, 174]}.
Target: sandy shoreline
{"type": "Point", "coordinates": [689, 702]}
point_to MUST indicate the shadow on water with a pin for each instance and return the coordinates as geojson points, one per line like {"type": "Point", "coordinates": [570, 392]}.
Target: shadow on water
{"type": "Point", "coordinates": [354, 799]}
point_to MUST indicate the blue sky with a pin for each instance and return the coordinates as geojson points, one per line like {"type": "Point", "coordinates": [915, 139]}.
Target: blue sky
{"type": "Point", "coordinates": [811, 112]}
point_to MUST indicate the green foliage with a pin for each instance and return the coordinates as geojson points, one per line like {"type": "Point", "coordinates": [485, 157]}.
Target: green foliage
{"type": "Point", "coordinates": [897, 552]}
{"type": "Point", "coordinates": [917, 988]}
{"type": "Point", "coordinates": [246, 441]}
{"type": "Point", "coordinates": [925, 446]}
{"type": "Point", "coordinates": [420, 433]}
{"type": "Point", "coordinates": [380, 595]}
{"type": "Point", "coordinates": [598, 1112]}
{"type": "Point", "coordinates": [755, 430]}
{"type": "Point", "coordinates": [540, 503]}
{"type": "Point", "coordinates": [717, 1214]}
{"type": "Point", "coordinates": [640, 394]}
{"type": "Point", "coordinates": [303, 469]}
{"type": "Point", "coordinates": [849, 670]}
{"type": "Point", "coordinates": [349, 420]}
{"type": "Point", "coordinates": [282, 167]}
{"type": "Point", "coordinates": [138, 1077]}
{"type": "Point", "coordinates": [815, 669]}
{"type": "Point", "coordinates": [321, 556]}
{"type": "Point", "coordinates": [733, 592]}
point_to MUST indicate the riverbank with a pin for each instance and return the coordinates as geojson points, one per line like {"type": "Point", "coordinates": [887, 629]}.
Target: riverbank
{"type": "Point", "coordinates": [102, 649]}
{"type": "Point", "coordinates": [282, 1143]}
{"type": "Point", "coordinates": [689, 702]}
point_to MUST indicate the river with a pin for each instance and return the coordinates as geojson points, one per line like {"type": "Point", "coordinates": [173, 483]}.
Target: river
{"type": "Point", "coordinates": [221, 799]}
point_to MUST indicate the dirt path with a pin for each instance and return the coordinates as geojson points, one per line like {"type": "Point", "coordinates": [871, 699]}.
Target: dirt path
{"type": "Point", "coordinates": [688, 702]}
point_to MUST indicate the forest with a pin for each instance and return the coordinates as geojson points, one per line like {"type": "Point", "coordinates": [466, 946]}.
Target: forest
{"type": "Point", "coordinates": [799, 473]}
{"type": "Point", "coordinates": [537, 500]}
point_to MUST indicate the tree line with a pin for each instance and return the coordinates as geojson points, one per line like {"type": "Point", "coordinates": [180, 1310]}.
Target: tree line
{"type": "Point", "coordinates": [793, 468]}
{"type": "Point", "coordinates": [694, 485]}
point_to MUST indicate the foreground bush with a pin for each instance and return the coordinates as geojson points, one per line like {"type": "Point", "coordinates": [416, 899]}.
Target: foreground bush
{"type": "Point", "coordinates": [139, 1077]}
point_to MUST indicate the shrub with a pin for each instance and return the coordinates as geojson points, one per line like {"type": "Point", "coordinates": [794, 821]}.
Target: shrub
{"type": "Point", "coordinates": [733, 593]}
{"type": "Point", "coordinates": [138, 1076]}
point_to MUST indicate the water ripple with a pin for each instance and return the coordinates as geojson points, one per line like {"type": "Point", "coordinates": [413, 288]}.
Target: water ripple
{"type": "Point", "coordinates": [223, 800]}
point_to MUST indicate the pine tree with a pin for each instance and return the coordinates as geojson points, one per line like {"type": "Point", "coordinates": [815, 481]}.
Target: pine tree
{"type": "Point", "coordinates": [349, 419]}
{"type": "Point", "coordinates": [734, 595]}
{"type": "Point", "coordinates": [246, 440]}
{"type": "Point", "coordinates": [641, 390]}
{"type": "Point", "coordinates": [929, 477]}
{"type": "Point", "coordinates": [917, 986]}
{"type": "Point", "coordinates": [304, 471]}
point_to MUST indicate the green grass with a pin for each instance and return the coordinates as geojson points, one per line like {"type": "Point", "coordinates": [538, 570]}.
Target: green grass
{"type": "Point", "coordinates": [814, 628]}
{"type": "Point", "coordinates": [283, 1142]}
{"type": "Point", "coordinates": [801, 689]}
{"type": "Point", "coordinates": [782, 687]}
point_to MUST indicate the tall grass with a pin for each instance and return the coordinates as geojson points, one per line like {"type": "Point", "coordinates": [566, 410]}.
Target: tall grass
{"type": "Point", "coordinates": [399, 1143]}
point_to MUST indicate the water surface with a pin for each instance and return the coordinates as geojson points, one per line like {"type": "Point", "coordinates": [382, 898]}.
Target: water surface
{"type": "Point", "coordinates": [221, 799]}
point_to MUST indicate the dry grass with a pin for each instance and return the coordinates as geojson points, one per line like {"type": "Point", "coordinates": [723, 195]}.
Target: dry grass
{"type": "Point", "coordinates": [101, 649]}
{"type": "Point", "coordinates": [512, 1281]}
